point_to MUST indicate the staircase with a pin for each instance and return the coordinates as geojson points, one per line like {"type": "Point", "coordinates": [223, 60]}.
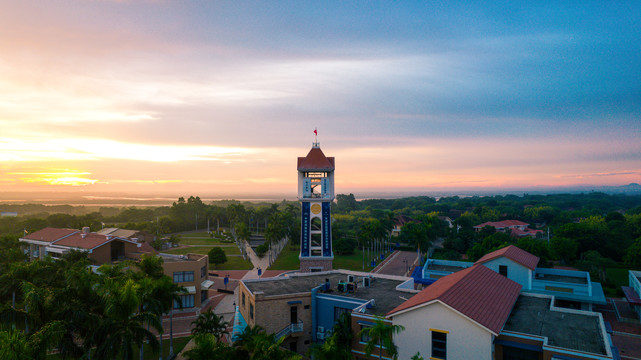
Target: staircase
{"type": "Point", "coordinates": [290, 329]}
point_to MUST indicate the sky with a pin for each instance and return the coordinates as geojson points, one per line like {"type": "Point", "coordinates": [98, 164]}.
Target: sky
{"type": "Point", "coordinates": [221, 97]}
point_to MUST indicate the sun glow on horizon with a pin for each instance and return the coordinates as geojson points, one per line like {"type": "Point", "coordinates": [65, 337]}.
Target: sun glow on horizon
{"type": "Point", "coordinates": [66, 177]}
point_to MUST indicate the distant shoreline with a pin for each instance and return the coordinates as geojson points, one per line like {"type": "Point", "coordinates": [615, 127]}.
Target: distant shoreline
{"type": "Point", "coordinates": [148, 200]}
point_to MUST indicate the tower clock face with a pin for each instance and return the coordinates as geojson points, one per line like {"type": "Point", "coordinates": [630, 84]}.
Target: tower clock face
{"type": "Point", "coordinates": [316, 209]}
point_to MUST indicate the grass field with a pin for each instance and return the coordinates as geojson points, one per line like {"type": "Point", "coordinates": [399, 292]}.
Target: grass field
{"type": "Point", "coordinates": [618, 277]}
{"type": "Point", "coordinates": [229, 250]}
{"type": "Point", "coordinates": [233, 263]}
{"type": "Point", "coordinates": [351, 262]}
{"type": "Point", "coordinates": [288, 260]}
{"type": "Point", "coordinates": [203, 241]}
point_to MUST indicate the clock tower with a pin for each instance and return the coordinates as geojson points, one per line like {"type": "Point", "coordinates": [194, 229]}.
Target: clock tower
{"type": "Point", "coordinates": [316, 193]}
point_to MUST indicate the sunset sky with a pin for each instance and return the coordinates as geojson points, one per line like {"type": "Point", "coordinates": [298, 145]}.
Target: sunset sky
{"type": "Point", "coordinates": [221, 97]}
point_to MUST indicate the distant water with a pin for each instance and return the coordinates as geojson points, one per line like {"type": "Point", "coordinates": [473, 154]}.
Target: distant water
{"type": "Point", "coordinates": [123, 199]}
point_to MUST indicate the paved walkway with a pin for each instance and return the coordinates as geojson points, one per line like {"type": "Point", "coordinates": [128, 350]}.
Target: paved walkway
{"type": "Point", "coordinates": [226, 305]}
{"type": "Point", "coordinates": [399, 263]}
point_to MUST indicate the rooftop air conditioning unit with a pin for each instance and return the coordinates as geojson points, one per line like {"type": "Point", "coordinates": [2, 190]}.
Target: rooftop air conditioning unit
{"type": "Point", "coordinates": [350, 278]}
{"type": "Point", "coordinates": [321, 329]}
{"type": "Point", "coordinates": [320, 335]}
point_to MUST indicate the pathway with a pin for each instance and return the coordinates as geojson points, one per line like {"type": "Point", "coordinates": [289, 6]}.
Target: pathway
{"type": "Point", "coordinates": [400, 263]}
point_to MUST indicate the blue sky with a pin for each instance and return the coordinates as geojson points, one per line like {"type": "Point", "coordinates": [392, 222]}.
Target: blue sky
{"type": "Point", "coordinates": [416, 95]}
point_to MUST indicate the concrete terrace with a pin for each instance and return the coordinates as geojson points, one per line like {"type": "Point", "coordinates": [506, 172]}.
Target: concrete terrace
{"type": "Point", "coordinates": [383, 289]}
{"type": "Point", "coordinates": [567, 329]}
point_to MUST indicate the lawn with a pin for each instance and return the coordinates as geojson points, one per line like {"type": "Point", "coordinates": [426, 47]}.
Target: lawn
{"type": "Point", "coordinates": [617, 276]}
{"type": "Point", "coordinates": [179, 344]}
{"type": "Point", "coordinates": [203, 241]}
{"type": "Point", "coordinates": [200, 234]}
{"type": "Point", "coordinates": [288, 260]}
{"type": "Point", "coordinates": [351, 262]}
{"type": "Point", "coordinates": [233, 263]}
{"type": "Point", "coordinates": [229, 250]}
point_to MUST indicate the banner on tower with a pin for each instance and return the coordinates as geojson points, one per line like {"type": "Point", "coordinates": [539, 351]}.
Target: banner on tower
{"type": "Point", "coordinates": [327, 230]}
{"type": "Point", "coordinates": [304, 231]}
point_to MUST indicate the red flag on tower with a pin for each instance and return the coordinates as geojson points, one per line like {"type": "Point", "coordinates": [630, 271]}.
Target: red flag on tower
{"type": "Point", "coordinates": [315, 132]}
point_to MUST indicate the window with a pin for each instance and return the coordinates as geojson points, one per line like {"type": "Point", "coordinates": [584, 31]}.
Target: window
{"type": "Point", "coordinates": [251, 311]}
{"type": "Point", "coordinates": [503, 270]}
{"type": "Point", "coordinates": [365, 335]}
{"type": "Point", "coordinates": [316, 224]}
{"type": "Point", "coordinates": [439, 345]}
{"type": "Point", "coordinates": [203, 296]}
{"type": "Point", "coordinates": [338, 311]}
{"type": "Point", "coordinates": [316, 240]}
{"type": "Point", "coordinates": [187, 301]}
{"type": "Point", "coordinates": [183, 276]}
{"type": "Point", "coordinates": [243, 297]}
{"type": "Point", "coordinates": [203, 271]}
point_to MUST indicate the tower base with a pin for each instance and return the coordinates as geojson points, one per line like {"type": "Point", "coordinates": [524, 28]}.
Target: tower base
{"type": "Point", "coordinates": [316, 264]}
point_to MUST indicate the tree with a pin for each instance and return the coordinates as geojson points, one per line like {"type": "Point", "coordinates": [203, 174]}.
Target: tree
{"type": "Point", "coordinates": [123, 327]}
{"type": "Point", "coordinates": [381, 336]}
{"type": "Point", "coordinates": [345, 203]}
{"type": "Point", "coordinates": [242, 231]}
{"type": "Point", "coordinates": [208, 347]}
{"type": "Point", "coordinates": [564, 248]}
{"type": "Point", "coordinates": [210, 323]}
{"type": "Point", "coordinates": [633, 254]}
{"type": "Point", "coordinates": [151, 265]}
{"type": "Point", "coordinates": [263, 346]}
{"type": "Point", "coordinates": [217, 256]}
{"type": "Point", "coordinates": [337, 346]}
{"type": "Point", "coordinates": [345, 246]}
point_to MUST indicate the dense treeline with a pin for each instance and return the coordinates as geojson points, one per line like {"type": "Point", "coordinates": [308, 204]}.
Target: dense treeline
{"type": "Point", "coordinates": [184, 214]}
{"type": "Point", "coordinates": [591, 231]}
{"type": "Point", "coordinates": [593, 225]}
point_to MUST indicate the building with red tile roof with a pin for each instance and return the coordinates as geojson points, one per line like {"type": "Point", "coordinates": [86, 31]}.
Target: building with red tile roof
{"type": "Point", "coordinates": [50, 234]}
{"type": "Point", "coordinates": [101, 248]}
{"type": "Point", "coordinates": [477, 293]}
{"type": "Point", "coordinates": [514, 253]}
{"type": "Point", "coordinates": [570, 288]}
{"type": "Point", "coordinates": [399, 221]}
{"type": "Point", "coordinates": [190, 270]}
{"type": "Point", "coordinates": [479, 314]}
{"type": "Point", "coordinates": [516, 228]}
{"type": "Point", "coordinates": [457, 317]}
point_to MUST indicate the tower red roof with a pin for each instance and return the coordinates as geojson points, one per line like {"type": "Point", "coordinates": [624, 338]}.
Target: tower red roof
{"type": "Point", "coordinates": [477, 292]}
{"type": "Point", "coordinates": [315, 161]}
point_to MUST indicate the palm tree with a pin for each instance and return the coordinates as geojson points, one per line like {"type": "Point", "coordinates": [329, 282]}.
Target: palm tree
{"type": "Point", "coordinates": [263, 346]}
{"type": "Point", "coordinates": [336, 347]}
{"type": "Point", "coordinates": [380, 335]}
{"type": "Point", "coordinates": [208, 347]}
{"type": "Point", "coordinates": [210, 323]}
{"type": "Point", "coordinates": [123, 326]}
